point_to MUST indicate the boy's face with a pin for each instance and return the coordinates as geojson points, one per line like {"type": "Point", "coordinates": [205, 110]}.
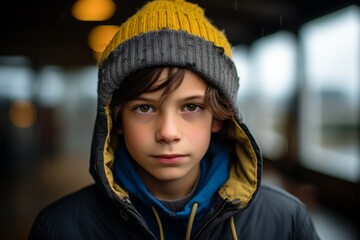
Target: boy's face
{"type": "Point", "coordinates": [168, 139]}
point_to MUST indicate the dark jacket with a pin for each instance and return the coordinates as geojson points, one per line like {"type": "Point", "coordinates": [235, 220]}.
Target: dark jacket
{"type": "Point", "coordinates": [243, 208]}
{"type": "Point", "coordinates": [88, 214]}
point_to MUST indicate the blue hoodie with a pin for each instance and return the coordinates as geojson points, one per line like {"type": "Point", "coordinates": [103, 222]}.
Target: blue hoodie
{"type": "Point", "coordinates": [214, 173]}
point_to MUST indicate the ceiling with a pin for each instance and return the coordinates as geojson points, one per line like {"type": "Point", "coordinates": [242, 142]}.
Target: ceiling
{"type": "Point", "coordinates": [47, 33]}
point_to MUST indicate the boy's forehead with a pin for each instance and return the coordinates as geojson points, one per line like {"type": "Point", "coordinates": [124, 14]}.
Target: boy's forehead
{"type": "Point", "coordinates": [167, 80]}
{"type": "Point", "coordinates": [166, 75]}
{"type": "Point", "coordinates": [190, 86]}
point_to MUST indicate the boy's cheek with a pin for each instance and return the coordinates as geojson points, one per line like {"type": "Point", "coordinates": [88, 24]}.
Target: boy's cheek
{"type": "Point", "coordinates": [199, 135]}
{"type": "Point", "coordinates": [136, 135]}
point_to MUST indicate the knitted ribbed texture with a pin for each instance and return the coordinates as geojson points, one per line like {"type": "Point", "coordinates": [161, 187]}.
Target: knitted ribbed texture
{"type": "Point", "coordinates": [170, 14]}
{"type": "Point", "coordinates": [167, 33]}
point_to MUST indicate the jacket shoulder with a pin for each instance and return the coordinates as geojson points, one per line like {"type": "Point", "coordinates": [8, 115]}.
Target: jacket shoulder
{"type": "Point", "coordinates": [65, 207]}
{"type": "Point", "coordinates": [278, 195]}
{"type": "Point", "coordinates": [78, 215]}
{"type": "Point", "coordinates": [277, 214]}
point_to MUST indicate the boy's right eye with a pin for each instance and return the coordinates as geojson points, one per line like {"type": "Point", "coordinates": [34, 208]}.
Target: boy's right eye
{"type": "Point", "coordinates": [143, 109]}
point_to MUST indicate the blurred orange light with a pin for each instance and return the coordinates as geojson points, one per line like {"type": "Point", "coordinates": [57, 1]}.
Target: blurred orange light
{"type": "Point", "coordinates": [22, 114]}
{"type": "Point", "coordinates": [93, 10]}
{"type": "Point", "coordinates": [100, 36]}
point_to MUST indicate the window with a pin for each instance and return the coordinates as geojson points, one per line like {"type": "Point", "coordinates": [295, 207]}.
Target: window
{"type": "Point", "coordinates": [330, 97]}
{"type": "Point", "coordinates": [269, 87]}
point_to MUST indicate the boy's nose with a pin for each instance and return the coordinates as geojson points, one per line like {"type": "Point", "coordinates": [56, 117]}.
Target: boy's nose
{"type": "Point", "coordinates": [168, 130]}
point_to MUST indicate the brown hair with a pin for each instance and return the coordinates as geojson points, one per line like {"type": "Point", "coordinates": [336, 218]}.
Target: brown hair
{"type": "Point", "coordinates": [143, 81]}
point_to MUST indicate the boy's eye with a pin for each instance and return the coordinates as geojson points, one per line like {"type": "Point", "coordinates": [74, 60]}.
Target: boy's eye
{"type": "Point", "coordinates": [191, 108]}
{"type": "Point", "coordinates": [144, 109]}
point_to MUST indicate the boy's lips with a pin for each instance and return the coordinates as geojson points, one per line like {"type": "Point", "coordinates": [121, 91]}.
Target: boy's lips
{"type": "Point", "coordinates": [169, 155]}
{"type": "Point", "coordinates": [169, 158]}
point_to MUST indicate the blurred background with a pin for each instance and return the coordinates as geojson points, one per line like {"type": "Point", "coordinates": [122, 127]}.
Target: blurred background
{"type": "Point", "coordinates": [299, 68]}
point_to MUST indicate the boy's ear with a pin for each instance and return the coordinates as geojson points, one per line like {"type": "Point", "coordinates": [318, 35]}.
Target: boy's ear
{"type": "Point", "coordinates": [216, 126]}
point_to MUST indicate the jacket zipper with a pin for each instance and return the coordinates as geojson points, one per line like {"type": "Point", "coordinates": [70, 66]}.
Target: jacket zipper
{"type": "Point", "coordinates": [128, 202]}
{"type": "Point", "coordinates": [205, 225]}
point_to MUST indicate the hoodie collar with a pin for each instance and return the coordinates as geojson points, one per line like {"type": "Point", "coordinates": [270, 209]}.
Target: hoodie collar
{"type": "Point", "coordinates": [214, 173]}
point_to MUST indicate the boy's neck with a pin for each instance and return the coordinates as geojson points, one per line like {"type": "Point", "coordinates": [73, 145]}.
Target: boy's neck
{"type": "Point", "coordinates": [170, 190]}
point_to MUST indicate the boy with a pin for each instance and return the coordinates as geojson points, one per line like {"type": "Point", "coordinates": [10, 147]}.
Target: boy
{"type": "Point", "coordinates": [171, 157]}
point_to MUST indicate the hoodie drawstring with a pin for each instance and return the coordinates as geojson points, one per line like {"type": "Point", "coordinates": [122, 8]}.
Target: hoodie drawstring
{"type": "Point", "coordinates": [232, 227]}
{"type": "Point", "coordinates": [190, 222]}
{"type": "Point", "coordinates": [159, 223]}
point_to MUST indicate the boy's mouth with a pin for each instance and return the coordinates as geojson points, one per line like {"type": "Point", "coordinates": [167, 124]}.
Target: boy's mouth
{"type": "Point", "coordinates": [169, 158]}
{"type": "Point", "coordinates": [169, 155]}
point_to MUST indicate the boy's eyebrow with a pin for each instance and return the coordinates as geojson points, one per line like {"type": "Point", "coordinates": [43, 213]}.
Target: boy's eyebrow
{"type": "Point", "coordinates": [187, 98]}
{"type": "Point", "coordinates": [194, 97]}
{"type": "Point", "coordinates": [145, 99]}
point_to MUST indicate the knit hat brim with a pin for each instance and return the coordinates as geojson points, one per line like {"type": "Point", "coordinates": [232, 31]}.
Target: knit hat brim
{"type": "Point", "coordinates": [165, 48]}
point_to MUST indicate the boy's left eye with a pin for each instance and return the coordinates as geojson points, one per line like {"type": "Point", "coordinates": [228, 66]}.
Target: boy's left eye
{"type": "Point", "coordinates": [143, 109]}
{"type": "Point", "coordinates": [191, 108]}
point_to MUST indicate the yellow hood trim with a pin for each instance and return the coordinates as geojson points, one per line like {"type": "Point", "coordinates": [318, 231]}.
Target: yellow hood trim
{"type": "Point", "coordinates": [243, 177]}
{"type": "Point", "coordinates": [109, 156]}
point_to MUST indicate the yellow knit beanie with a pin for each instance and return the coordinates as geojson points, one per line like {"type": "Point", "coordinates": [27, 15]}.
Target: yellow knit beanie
{"type": "Point", "coordinates": [172, 33]}
{"type": "Point", "coordinates": [170, 14]}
